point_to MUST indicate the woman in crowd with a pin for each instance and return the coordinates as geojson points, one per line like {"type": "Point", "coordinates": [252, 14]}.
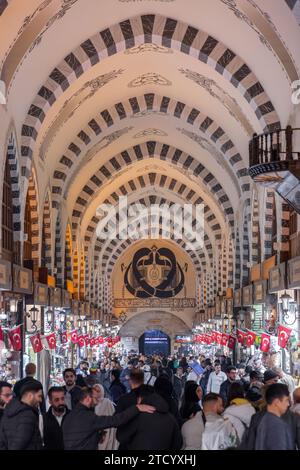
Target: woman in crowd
{"type": "Point", "coordinates": [105, 407]}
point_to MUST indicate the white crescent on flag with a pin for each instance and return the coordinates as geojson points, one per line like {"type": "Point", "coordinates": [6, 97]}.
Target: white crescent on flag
{"type": "Point", "coordinates": [283, 337]}
{"type": "Point", "coordinates": [16, 340]}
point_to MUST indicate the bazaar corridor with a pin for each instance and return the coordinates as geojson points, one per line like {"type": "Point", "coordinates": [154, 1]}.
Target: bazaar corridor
{"type": "Point", "coordinates": [150, 225]}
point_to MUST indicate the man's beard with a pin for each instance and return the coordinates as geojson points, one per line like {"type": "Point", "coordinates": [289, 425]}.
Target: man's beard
{"type": "Point", "coordinates": [60, 408]}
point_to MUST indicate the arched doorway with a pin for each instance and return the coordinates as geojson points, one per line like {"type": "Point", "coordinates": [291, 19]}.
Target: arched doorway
{"type": "Point", "coordinates": [155, 342]}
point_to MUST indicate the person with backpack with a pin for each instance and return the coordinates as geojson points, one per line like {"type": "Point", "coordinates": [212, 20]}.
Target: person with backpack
{"type": "Point", "coordinates": [219, 433]}
{"type": "Point", "coordinates": [239, 410]}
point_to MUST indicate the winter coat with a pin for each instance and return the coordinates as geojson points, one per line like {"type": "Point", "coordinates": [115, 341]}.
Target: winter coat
{"type": "Point", "coordinates": [178, 386]}
{"type": "Point", "coordinates": [204, 379]}
{"type": "Point", "coordinates": [81, 427]}
{"type": "Point", "coordinates": [156, 431]}
{"type": "Point", "coordinates": [20, 427]}
{"type": "Point", "coordinates": [273, 434]}
{"type": "Point", "coordinates": [192, 431]}
{"type": "Point", "coordinates": [239, 414]}
{"type": "Point", "coordinates": [53, 435]}
{"type": "Point", "coordinates": [75, 395]}
{"type": "Point", "coordinates": [116, 390]}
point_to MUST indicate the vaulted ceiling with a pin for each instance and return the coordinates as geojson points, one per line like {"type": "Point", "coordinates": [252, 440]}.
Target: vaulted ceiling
{"type": "Point", "coordinates": [129, 96]}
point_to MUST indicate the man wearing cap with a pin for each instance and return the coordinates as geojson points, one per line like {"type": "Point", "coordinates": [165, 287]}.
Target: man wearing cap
{"type": "Point", "coordinates": [20, 422]}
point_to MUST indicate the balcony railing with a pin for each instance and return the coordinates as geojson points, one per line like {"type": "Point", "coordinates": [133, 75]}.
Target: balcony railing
{"type": "Point", "coordinates": [276, 146]}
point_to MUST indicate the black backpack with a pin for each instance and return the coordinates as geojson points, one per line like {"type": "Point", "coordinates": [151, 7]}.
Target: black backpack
{"type": "Point", "coordinates": [249, 437]}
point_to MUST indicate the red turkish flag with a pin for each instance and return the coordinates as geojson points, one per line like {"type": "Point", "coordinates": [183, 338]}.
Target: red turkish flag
{"type": "Point", "coordinates": [86, 340]}
{"type": "Point", "coordinates": [1, 334]}
{"type": "Point", "coordinates": [101, 340]}
{"type": "Point", "coordinates": [250, 338]}
{"type": "Point", "coordinates": [231, 342]}
{"type": "Point", "coordinates": [219, 338]}
{"type": "Point", "coordinates": [51, 340]}
{"type": "Point", "coordinates": [96, 342]}
{"type": "Point", "coordinates": [36, 343]}
{"type": "Point", "coordinates": [81, 342]}
{"type": "Point", "coordinates": [283, 335]}
{"type": "Point", "coordinates": [118, 339]}
{"type": "Point", "coordinates": [224, 340]}
{"type": "Point", "coordinates": [92, 341]}
{"type": "Point", "coordinates": [265, 343]}
{"type": "Point", "coordinates": [74, 337]}
{"type": "Point", "coordinates": [15, 338]}
{"type": "Point", "coordinates": [214, 336]}
{"type": "Point", "coordinates": [241, 336]}
{"type": "Point", "coordinates": [64, 337]}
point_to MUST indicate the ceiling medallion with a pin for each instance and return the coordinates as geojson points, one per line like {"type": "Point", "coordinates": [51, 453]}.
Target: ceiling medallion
{"type": "Point", "coordinates": [150, 78]}
{"type": "Point", "coordinates": [148, 132]}
{"type": "Point", "coordinates": [148, 47]}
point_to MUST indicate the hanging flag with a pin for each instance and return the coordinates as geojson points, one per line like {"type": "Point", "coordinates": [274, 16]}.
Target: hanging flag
{"type": "Point", "coordinates": [1, 334]}
{"type": "Point", "coordinates": [74, 337]}
{"type": "Point", "coordinates": [101, 340]}
{"type": "Point", "coordinates": [92, 342]}
{"type": "Point", "coordinates": [250, 338]}
{"type": "Point", "coordinates": [64, 337]}
{"type": "Point", "coordinates": [96, 341]}
{"type": "Point", "coordinates": [86, 340]}
{"type": "Point", "coordinates": [15, 338]}
{"type": "Point", "coordinates": [283, 336]}
{"type": "Point", "coordinates": [219, 338]}
{"type": "Point", "coordinates": [231, 342]}
{"type": "Point", "coordinates": [265, 343]}
{"type": "Point", "coordinates": [224, 340]}
{"type": "Point", "coordinates": [214, 336]}
{"type": "Point", "coordinates": [241, 336]}
{"type": "Point", "coordinates": [81, 341]}
{"type": "Point", "coordinates": [36, 343]}
{"type": "Point", "coordinates": [51, 340]}
{"type": "Point", "coordinates": [118, 339]}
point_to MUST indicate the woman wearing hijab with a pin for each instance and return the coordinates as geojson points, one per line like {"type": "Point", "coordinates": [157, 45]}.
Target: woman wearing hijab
{"type": "Point", "coordinates": [164, 388]}
{"type": "Point", "coordinates": [105, 407]}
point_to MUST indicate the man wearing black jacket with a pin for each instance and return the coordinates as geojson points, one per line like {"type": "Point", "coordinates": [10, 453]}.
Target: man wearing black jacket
{"type": "Point", "coordinates": [158, 431]}
{"type": "Point", "coordinates": [53, 419]}
{"type": "Point", "coordinates": [72, 391]}
{"type": "Point", "coordinates": [20, 423]}
{"type": "Point", "coordinates": [81, 428]}
{"type": "Point", "coordinates": [30, 371]}
{"type": "Point", "coordinates": [136, 380]}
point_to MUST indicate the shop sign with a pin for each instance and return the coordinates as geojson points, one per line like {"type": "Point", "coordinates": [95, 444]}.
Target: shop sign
{"type": "Point", "coordinates": [75, 307]}
{"type": "Point", "coordinates": [277, 278]}
{"type": "Point", "coordinates": [40, 294]}
{"type": "Point", "coordinates": [255, 273]}
{"type": "Point", "coordinates": [294, 273]}
{"type": "Point", "coordinates": [229, 306]}
{"type": "Point", "coordinates": [65, 298]}
{"type": "Point", "coordinates": [237, 297]}
{"type": "Point", "coordinates": [259, 292]}
{"type": "Point", "coordinates": [223, 306]}
{"type": "Point", "coordinates": [22, 280]}
{"type": "Point", "coordinates": [5, 275]}
{"type": "Point", "coordinates": [247, 296]}
{"type": "Point", "coordinates": [55, 297]}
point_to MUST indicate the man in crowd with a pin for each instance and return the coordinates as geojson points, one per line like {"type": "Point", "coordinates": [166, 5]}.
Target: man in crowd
{"type": "Point", "coordinates": [81, 427]}
{"type": "Point", "coordinates": [179, 383]}
{"type": "Point", "coordinates": [136, 380]}
{"type": "Point", "coordinates": [208, 369]}
{"type": "Point", "coordinates": [72, 391]}
{"type": "Point", "coordinates": [125, 375]}
{"type": "Point", "coordinates": [231, 377]}
{"type": "Point", "coordinates": [296, 401]}
{"type": "Point", "coordinates": [157, 431]}
{"type": "Point", "coordinates": [53, 419]}
{"type": "Point", "coordinates": [272, 432]}
{"type": "Point", "coordinates": [20, 422]}
{"type": "Point", "coordinates": [219, 433]}
{"type": "Point", "coordinates": [216, 379]}
{"type": "Point", "coordinates": [30, 372]}
{"type": "Point", "coordinates": [6, 395]}
{"type": "Point", "coordinates": [285, 379]}
{"type": "Point", "coordinates": [116, 389]}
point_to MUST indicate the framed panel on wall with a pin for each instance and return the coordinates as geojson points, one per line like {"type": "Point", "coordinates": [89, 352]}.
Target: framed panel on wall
{"type": "Point", "coordinates": [247, 298]}
{"type": "Point", "coordinates": [277, 278]}
{"type": "Point", "coordinates": [5, 275]}
{"type": "Point", "coordinates": [259, 292]}
{"type": "Point", "coordinates": [294, 273]}
{"type": "Point", "coordinates": [237, 298]}
{"type": "Point", "coordinates": [22, 280]}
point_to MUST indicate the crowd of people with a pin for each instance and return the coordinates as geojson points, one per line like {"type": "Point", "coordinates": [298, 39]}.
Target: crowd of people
{"type": "Point", "coordinates": [139, 402]}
